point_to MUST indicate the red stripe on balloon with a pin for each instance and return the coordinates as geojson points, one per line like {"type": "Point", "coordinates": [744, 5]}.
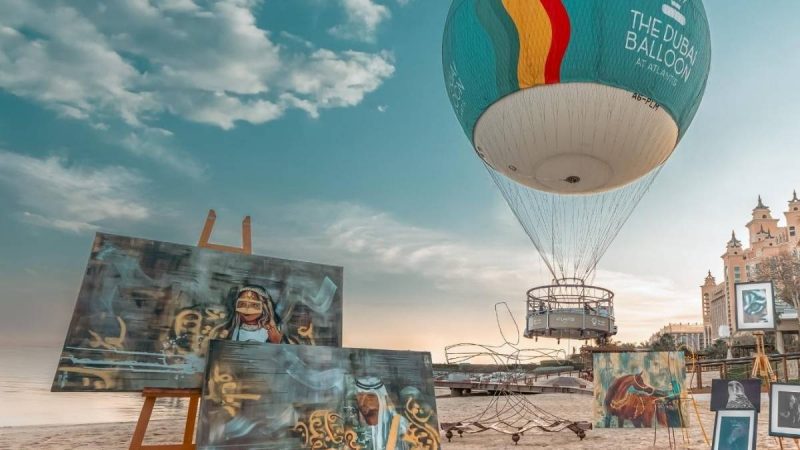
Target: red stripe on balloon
{"type": "Point", "coordinates": [559, 19]}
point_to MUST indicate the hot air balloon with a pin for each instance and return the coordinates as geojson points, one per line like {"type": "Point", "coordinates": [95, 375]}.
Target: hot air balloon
{"type": "Point", "coordinates": [574, 106]}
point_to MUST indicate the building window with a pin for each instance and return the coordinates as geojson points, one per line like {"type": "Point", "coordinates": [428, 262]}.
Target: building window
{"type": "Point", "coordinates": [792, 231]}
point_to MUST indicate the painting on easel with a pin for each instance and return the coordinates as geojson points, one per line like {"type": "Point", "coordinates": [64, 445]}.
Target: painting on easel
{"type": "Point", "coordinates": [303, 397]}
{"type": "Point", "coordinates": [639, 389]}
{"type": "Point", "coordinates": [147, 311]}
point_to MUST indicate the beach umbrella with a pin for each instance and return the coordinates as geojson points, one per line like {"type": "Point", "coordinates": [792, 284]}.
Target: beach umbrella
{"type": "Point", "coordinates": [574, 106]}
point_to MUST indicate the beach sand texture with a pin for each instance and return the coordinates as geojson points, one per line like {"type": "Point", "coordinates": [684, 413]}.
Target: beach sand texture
{"type": "Point", "coordinates": [573, 406]}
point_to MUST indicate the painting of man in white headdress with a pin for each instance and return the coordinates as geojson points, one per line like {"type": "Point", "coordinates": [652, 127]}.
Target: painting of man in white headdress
{"type": "Point", "coordinates": [379, 415]}
{"type": "Point", "coordinates": [314, 397]}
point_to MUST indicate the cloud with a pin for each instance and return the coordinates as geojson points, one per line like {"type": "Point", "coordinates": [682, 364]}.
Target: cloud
{"type": "Point", "coordinates": [154, 143]}
{"type": "Point", "coordinates": [330, 80]}
{"type": "Point", "coordinates": [644, 304]}
{"type": "Point", "coordinates": [74, 226]}
{"type": "Point", "coordinates": [67, 197]}
{"type": "Point", "coordinates": [363, 19]}
{"type": "Point", "coordinates": [57, 57]}
{"type": "Point", "coordinates": [224, 110]}
{"type": "Point", "coordinates": [370, 241]}
{"type": "Point", "coordinates": [441, 272]}
{"type": "Point", "coordinates": [134, 61]}
{"type": "Point", "coordinates": [130, 64]}
{"type": "Point", "coordinates": [383, 108]}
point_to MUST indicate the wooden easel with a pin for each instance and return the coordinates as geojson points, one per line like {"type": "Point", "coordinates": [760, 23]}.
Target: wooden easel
{"type": "Point", "coordinates": [151, 394]}
{"type": "Point", "coordinates": [762, 369]}
{"type": "Point", "coordinates": [673, 441]}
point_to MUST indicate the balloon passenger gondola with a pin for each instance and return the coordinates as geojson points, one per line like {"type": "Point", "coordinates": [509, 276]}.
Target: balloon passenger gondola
{"type": "Point", "coordinates": [570, 309]}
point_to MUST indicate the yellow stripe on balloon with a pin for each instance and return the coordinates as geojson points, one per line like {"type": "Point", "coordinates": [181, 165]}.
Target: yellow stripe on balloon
{"type": "Point", "coordinates": [535, 37]}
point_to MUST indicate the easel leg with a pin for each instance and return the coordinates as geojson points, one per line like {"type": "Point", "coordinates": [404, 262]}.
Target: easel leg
{"type": "Point", "coordinates": [702, 427]}
{"type": "Point", "coordinates": [141, 425]}
{"type": "Point", "coordinates": [191, 418]}
{"type": "Point", "coordinates": [655, 427]}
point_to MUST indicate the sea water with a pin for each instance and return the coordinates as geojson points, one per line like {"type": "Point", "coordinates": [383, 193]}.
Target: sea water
{"type": "Point", "coordinates": [26, 375]}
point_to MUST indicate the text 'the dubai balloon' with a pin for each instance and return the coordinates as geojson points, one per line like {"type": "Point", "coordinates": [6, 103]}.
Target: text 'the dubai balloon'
{"type": "Point", "coordinates": [574, 106]}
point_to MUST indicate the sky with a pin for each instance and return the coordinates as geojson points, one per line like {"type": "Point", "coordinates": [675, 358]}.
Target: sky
{"type": "Point", "coordinates": [327, 121]}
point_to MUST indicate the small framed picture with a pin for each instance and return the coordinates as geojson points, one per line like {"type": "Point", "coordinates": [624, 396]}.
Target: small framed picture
{"type": "Point", "coordinates": [784, 410]}
{"type": "Point", "coordinates": [755, 306]}
{"type": "Point", "coordinates": [736, 394]}
{"type": "Point", "coordinates": [735, 430]}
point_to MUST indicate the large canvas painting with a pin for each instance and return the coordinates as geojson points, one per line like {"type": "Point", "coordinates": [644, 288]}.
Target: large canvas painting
{"type": "Point", "coordinates": [147, 311]}
{"type": "Point", "coordinates": [755, 306]}
{"type": "Point", "coordinates": [304, 397]}
{"type": "Point", "coordinates": [639, 389]}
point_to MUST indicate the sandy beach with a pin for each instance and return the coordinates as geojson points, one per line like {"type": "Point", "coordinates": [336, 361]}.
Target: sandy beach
{"type": "Point", "coordinates": [574, 406]}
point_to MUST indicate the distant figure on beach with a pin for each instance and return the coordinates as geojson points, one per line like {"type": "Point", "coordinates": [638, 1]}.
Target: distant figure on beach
{"type": "Point", "coordinates": [254, 317]}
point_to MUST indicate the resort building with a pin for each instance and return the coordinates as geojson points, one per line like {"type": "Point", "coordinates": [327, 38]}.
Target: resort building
{"type": "Point", "coordinates": [692, 335]}
{"type": "Point", "coordinates": [741, 264]}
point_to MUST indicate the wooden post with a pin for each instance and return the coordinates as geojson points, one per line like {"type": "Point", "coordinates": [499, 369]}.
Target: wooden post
{"type": "Point", "coordinates": [785, 369]}
{"type": "Point", "coordinates": [141, 424]}
{"type": "Point", "coordinates": [188, 432]}
{"type": "Point", "coordinates": [698, 371]}
{"type": "Point", "coordinates": [151, 394]}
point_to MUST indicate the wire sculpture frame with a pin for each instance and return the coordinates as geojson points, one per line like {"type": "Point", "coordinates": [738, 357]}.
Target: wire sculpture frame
{"type": "Point", "coordinates": [508, 411]}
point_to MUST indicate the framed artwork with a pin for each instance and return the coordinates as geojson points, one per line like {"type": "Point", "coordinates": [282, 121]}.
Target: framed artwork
{"type": "Point", "coordinates": [755, 306]}
{"type": "Point", "coordinates": [735, 430]}
{"type": "Point", "coordinates": [736, 394]}
{"type": "Point", "coordinates": [147, 311]}
{"type": "Point", "coordinates": [312, 397]}
{"type": "Point", "coordinates": [784, 410]}
{"type": "Point", "coordinates": [639, 389]}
